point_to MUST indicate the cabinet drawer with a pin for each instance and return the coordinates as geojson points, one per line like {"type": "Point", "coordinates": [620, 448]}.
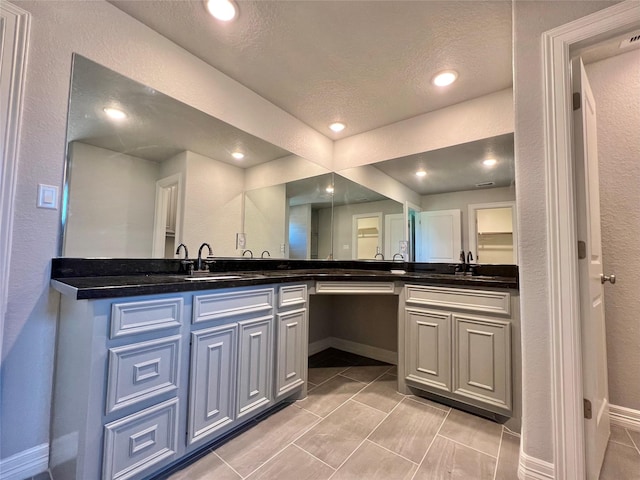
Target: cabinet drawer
{"type": "Point", "coordinates": [483, 301]}
{"type": "Point", "coordinates": [354, 287]}
{"type": "Point", "coordinates": [231, 304]}
{"type": "Point", "coordinates": [292, 295]}
{"type": "Point", "coordinates": [133, 318]}
{"type": "Point", "coordinates": [140, 442]}
{"type": "Point", "coordinates": [142, 371]}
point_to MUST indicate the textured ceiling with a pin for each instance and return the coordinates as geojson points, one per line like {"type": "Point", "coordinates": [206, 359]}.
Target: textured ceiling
{"type": "Point", "coordinates": [366, 63]}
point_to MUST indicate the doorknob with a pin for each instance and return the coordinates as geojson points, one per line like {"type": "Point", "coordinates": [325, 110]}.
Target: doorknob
{"type": "Point", "coordinates": [607, 278]}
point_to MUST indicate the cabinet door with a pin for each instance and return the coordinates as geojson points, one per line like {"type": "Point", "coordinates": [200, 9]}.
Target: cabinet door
{"type": "Point", "coordinates": [255, 364]}
{"type": "Point", "coordinates": [290, 361]}
{"type": "Point", "coordinates": [213, 373]}
{"type": "Point", "coordinates": [428, 348]}
{"type": "Point", "coordinates": [483, 360]}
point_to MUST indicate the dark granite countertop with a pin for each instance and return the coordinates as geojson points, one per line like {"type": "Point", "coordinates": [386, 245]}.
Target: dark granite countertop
{"type": "Point", "coordinates": [132, 284]}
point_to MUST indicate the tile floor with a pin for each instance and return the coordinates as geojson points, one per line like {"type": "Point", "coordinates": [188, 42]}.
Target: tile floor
{"type": "Point", "coordinates": [354, 425]}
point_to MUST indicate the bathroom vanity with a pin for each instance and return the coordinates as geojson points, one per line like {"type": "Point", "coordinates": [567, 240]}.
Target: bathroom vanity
{"type": "Point", "coordinates": [150, 368]}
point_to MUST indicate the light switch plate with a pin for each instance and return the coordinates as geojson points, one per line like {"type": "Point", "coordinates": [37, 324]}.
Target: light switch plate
{"type": "Point", "coordinates": [47, 196]}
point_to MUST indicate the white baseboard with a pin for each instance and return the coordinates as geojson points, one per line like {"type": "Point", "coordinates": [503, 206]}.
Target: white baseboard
{"type": "Point", "coordinates": [531, 468]}
{"type": "Point", "coordinates": [624, 417]}
{"type": "Point", "coordinates": [353, 347]}
{"type": "Point", "coordinates": [25, 464]}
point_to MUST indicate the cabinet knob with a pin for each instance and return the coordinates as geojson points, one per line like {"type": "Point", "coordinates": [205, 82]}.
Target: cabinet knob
{"type": "Point", "coordinates": [607, 278]}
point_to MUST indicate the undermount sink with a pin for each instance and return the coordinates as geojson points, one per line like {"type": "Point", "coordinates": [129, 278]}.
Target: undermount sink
{"type": "Point", "coordinates": [211, 277]}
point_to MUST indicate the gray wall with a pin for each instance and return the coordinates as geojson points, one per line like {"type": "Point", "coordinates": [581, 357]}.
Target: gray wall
{"type": "Point", "coordinates": [616, 87]}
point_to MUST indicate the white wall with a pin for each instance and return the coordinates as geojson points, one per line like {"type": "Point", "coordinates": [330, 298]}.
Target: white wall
{"type": "Point", "coordinates": [462, 200]}
{"type": "Point", "coordinates": [616, 88]}
{"type": "Point", "coordinates": [300, 231]}
{"type": "Point", "coordinates": [104, 34]}
{"type": "Point", "coordinates": [530, 20]}
{"type": "Point", "coordinates": [265, 220]}
{"type": "Point", "coordinates": [111, 204]}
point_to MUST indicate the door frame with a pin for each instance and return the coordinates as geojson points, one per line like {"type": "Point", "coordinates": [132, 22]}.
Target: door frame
{"type": "Point", "coordinates": [473, 225]}
{"type": "Point", "coordinates": [160, 216]}
{"type": "Point", "coordinates": [562, 260]}
{"type": "Point", "coordinates": [354, 231]}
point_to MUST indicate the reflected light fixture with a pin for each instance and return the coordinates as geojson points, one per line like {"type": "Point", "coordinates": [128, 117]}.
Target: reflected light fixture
{"type": "Point", "coordinates": [114, 113]}
{"type": "Point", "coordinates": [330, 189]}
{"type": "Point", "coordinates": [337, 126]}
{"type": "Point", "coordinates": [238, 155]}
{"type": "Point", "coordinates": [445, 78]}
{"type": "Point", "coordinates": [421, 173]}
{"type": "Point", "coordinates": [223, 10]}
{"type": "Point", "coordinates": [490, 162]}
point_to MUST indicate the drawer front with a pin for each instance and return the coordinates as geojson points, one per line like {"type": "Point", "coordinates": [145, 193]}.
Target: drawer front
{"type": "Point", "coordinates": [355, 287]}
{"type": "Point", "coordinates": [137, 444]}
{"type": "Point", "coordinates": [483, 301]}
{"type": "Point", "coordinates": [133, 318]}
{"type": "Point", "coordinates": [226, 305]}
{"type": "Point", "coordinates": [292, 295]}
{"type": "Point", "coordinates": [142, 371]}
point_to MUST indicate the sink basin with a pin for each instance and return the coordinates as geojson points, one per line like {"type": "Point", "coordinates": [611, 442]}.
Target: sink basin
{"type": "Point", "coordinates": [211, 277]}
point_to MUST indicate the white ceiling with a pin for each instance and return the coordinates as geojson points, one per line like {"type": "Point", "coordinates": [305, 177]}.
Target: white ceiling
{"type": "Point", "coordinates": [366, 63]}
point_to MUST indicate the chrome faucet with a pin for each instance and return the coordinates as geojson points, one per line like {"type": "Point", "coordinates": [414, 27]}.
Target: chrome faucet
{"type": "Point", "coordinates": [185, 262]}
{"type": "Point", "coordinates": [265, 251]}
{"type": "Point", "coordinates": [203, 265]}
{"type": "Point", "coordinates": [398, 255]}
{"type": "Point", "coordinates": [249, 252]}
{"type": "Point", "coordinates": [376, 255]}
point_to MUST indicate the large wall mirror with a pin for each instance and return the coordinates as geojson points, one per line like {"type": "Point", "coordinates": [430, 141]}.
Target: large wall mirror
{"type": "Point", "coordinates": [165, 173]}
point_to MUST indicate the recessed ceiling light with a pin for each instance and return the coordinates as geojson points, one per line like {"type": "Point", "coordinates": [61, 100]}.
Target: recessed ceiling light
{"type": "Point", "coordinates": [238, 155]}
{"type": "Point", "coordinates": [114, 113]}
{"type": "Point", "coordinates": [223, 10]}
{"type": "Point", "coordinates": [445, 78]}
{"type": "Point", "coordinates": [337, 126]}
{"type": "Point", "coordinates": [421, 173]}
{"type": "Point", "coordinates": [490, 162]}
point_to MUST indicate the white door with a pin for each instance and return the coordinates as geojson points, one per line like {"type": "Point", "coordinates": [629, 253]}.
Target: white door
{"type": "Point", "coordinates": [594, 351]}
{"type": "Point", "coordinates": [393, 234]}
{"type": "Point", "coordinates": [440, 237]}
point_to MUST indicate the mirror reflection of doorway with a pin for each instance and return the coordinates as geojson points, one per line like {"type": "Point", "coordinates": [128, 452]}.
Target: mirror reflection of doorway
{"type": "Point", "coordinates": [167, 217]}
{"type": "Point", "coordinates": [367, 235]}
{"type": "Point", "coordinates": [492, 236]}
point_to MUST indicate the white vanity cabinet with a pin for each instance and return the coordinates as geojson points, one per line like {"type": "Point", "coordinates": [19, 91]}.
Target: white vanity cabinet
{"type": "Point", "coordinates": [457, 344]}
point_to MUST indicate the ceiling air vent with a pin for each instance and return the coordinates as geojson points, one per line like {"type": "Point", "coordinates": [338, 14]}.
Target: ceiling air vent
{"type": "Point", "coordinates": [633, 40]}
{"type": "Point", "coordinates": [485, 184]}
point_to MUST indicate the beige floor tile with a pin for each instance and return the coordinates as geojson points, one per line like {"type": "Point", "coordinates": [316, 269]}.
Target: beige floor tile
{"type": "Point", "coordinates": [635, 436]}
{"type": "Point", "coordinates": [210, 467]}
{"type": "Point", "coordinates": [508, 458]}
{"type": "Point", "coordinates": [473, 431]}
{"type": "Point", "coordinates": [292, 464]}
{"type": "Point", "coordinates": [431, 403]}
{"type": "Point", "coordinates": [448, 460]}
{"type": "Point", "coordinates": [339, 434]}
{"type": "Point", "coordinates": [381, 394]}
{"type": "Point", "coordinates": [366, 374]}
{"type": "Point", "coordinates": [619, 435]}
{"type": "Point", "coordinates": [620, 462]}
{"type": "Point", "coordinates": [372, 462]}
{"type": "Point", "coordinates": [393, 370]}
{"type": "Point", "coordinates": [252, 448]}
{"type": "Point", "coordinates": [321, 375]}
{"type": "Point", "coordinates": [325, 398]}
{"type": "Point", "coordinates": [409, 429]}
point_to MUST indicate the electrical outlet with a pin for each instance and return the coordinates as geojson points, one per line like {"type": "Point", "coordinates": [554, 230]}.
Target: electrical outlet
{"type": "Point", "coordinates": [282, 247]}
{"type": "Point", "coordinates": [241, 241]}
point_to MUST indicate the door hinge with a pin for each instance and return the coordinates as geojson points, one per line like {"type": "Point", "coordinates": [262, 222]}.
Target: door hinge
{"type": "Point", "coordinates": [582, 249]}
{"type": "Point", "coordinates": [577, 101]}
{"type": "Point", "coordinates": [588, 413]}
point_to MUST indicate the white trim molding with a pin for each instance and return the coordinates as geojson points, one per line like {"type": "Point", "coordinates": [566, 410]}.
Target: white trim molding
{"type": "Point", "coordinates": [531, 468]}
{"type": "Point", "coordinates": [625, 417]}
{"type": "Point", "coordinates": [14, 29]}
{"type": "Point", "coordinates": [562, 264]}
{"type": "Point", "coordinates": [25, 464]}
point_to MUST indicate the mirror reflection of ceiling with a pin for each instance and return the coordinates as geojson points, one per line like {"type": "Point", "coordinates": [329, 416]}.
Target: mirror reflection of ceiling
{"type": "Point", "coordinates": [457, 168]}
{"type": "Point", "coordinates": [157, 126]}
{"type": "Point", "coordinates": [314, 191]}
{"type": "Point", "coordinates": [366, 63]}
